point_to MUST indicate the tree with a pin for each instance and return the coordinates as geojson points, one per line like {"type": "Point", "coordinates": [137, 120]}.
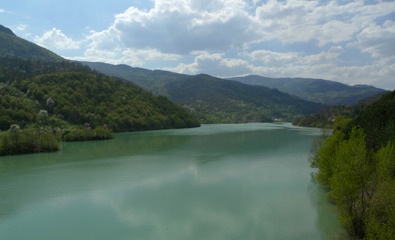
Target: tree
{"type": "Point", "coordinates": [325, 157]}
{"type": "Point", "coordinates": [382, 222]}
{"type": "Point", "coordinates": [351, 182]}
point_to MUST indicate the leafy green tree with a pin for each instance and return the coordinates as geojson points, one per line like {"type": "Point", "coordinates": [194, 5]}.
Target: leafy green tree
{"type": "Point", "coordinates": [350, 182]}
{"type": "Point", "coordinates": [382, 222]}
{"type": "Point", "coordinates": [325, 157]}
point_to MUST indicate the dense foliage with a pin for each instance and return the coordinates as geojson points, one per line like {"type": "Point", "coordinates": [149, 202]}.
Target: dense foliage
{"type": "Point", "coordinates": [215, 100]}
{"type": "Point", "coordinates": [81, 98]}
{"type": "Point", "coordinates": [358, 166]}
{"type": "Point", "coordinates": [315, 90]}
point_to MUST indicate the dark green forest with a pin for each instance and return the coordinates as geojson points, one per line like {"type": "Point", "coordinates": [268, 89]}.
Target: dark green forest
{"type": "Point", "coordinates": [63, 95]}
{"type": "Point", "coordinates": [357, 164]}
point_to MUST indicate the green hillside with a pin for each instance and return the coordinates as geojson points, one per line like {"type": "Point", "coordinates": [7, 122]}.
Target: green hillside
{"type": "Point", "coordinates": [315, 90]}
{"type": "Point", "coordinates": [81, 96]}
{"type": "Point", "coordinates": [214, 100]}
{"type": "Point", "coordinates": [13, 46]}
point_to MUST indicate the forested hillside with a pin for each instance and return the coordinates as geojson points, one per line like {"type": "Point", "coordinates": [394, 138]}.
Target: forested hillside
{"type": "Point", "coordinates": [65, 95]}
{"type": "Point", "coordinates": [78, 95]}
{"type": "Point", "coordinates": [218, 100]}
{"type": "Point", "coordinates": [215, 100]}
{"type": "Point", "coordinates": [357, 164]}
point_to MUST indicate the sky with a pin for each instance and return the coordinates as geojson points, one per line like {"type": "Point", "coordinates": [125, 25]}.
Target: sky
{"type": "Point", "coordinates": [352, 42]}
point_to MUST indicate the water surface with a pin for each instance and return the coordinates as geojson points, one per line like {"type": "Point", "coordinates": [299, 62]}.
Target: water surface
{"type": "Point", "coordinates": [244, 181]}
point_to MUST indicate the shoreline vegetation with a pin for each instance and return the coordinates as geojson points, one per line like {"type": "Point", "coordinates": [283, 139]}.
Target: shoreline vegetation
{"type": "Point", "coordinates": [357, 166]}
{"type": "Point", "coordinates": [16, 141]}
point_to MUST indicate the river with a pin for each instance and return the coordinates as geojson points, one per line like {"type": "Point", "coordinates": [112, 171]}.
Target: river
{"type": "Point", "coordinates": [233, 181]}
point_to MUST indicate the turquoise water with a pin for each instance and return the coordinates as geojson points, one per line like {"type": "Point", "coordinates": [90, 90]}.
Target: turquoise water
{"type": "Point", "coordinates": [244, 181]}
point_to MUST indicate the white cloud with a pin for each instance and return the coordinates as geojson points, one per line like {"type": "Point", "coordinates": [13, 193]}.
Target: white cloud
{"type": "Point", "coordinates": [107, 40]}
{"type": "Point", "coordinates": [221, 35]}
{"type": "Point", "coordinates": [21, 27]}
{"type": "Point", "coordinates": [185, 26]}
{"type": "Point", "coordinates": [273, 58]}
{"type": "Point", "coordinates": [324, 23]}
{"type": "Point", "coordinates": [55, 39]}
{"type": "Point", "coordinates": [4, 11]}
{"type": "Point", "coordinates": [379, 41]}
{"type": "Point", "coordinates": [149, 55]}
{"type": "Point", "coordinates": [182, 26]}
{"type": "Point", "coordinates": [214, 64]}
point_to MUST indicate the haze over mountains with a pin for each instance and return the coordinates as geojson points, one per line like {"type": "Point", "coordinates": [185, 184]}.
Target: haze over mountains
{"type": "Point", "coordinates": [316, 90]}
{"type": "Point", "coordinates": [213, 99]}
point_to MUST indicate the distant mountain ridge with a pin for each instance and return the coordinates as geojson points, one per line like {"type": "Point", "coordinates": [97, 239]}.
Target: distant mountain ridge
{"type": "Point", "coordinates": [152, 80]}
{"type": "Point", "coordinates": [14, 46]}
{"type": "Point", "coordinates": [214, 100]}
{"type": "Point", "coordinates": [316, 90]}
{"type": "Point", "coordinates": [217, 100]}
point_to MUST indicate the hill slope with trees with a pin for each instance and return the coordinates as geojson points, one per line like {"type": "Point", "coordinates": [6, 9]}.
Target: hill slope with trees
{"type": "Point", "coordinates": [64, 95]}
{"type": "Point", "coordinates": [218, 100]}
{"type": "Point", "coordinates": [325, 118]}
{"type": "Point", "coordinates": [82, 96]}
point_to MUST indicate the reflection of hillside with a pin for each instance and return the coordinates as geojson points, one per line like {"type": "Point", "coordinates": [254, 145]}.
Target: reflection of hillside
{"type": "Point", "coordinates": [124, 144]}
